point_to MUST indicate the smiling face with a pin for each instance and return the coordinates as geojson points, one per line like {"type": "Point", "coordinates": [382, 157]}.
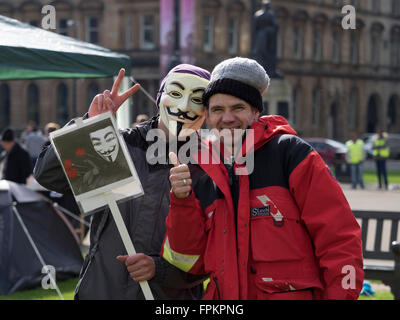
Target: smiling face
{"type": "Point", "coordinates": [181, 103]}
{"type": "Point", "coordinates": [105, 143]}
{"type": "Point", "coordinates": [226, 112]}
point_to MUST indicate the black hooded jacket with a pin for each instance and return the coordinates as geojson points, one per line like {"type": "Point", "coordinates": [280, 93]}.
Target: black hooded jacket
{"type": "Point", "coordinates": [102, 276]}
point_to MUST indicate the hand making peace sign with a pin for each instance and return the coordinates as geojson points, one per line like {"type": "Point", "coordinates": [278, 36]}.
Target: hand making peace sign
{"type": "Point", "coordinates": [111, 101]}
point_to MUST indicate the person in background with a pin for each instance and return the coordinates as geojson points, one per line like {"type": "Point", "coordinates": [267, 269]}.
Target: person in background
{"type": "Point", "coordinates": [50, 127]}
{"type": "Point", "coordinates": [17, 166]}
{"type": "Point", "coordinates": [355, 157]}
{"type": "Point", "coordinates": [139, 119]}
{"type": "Point", "coordinates": [381, 152]}
{"type": "Point", "coordinates": [31, 125]}
{"type": "Point", "coordinates": [34, 142]}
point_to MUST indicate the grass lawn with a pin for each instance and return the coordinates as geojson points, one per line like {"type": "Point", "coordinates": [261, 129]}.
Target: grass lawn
{"type": "Point", "coordinates": [67, 289]}
{"type": "Point", "coordinates": [379, 295]}
{"type": "Point", "coordinates": [370, 177]}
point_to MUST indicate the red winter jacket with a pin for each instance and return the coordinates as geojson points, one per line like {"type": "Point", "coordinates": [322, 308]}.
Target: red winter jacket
{"type": "Point", "coordinates": [296, 236]}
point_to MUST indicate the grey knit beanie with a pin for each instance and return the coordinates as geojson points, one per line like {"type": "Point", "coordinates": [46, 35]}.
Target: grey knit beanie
{"type": "Point", "coordinates": [240, 77]}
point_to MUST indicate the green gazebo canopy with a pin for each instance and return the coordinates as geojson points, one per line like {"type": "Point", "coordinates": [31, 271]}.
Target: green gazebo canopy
{"type": "Point", "coordinates": [28, 52]}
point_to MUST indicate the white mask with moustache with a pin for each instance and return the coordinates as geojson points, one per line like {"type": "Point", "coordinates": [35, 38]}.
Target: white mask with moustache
{"type": "Point", "coordinates": [105, 143]}
{"type": "Point", "coordinates": [181, 103]}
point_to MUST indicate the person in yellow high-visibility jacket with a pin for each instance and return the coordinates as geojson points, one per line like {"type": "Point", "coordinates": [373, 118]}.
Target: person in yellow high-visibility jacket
{"type": "Point", "coordinates": [381, 153]}
{"type": "Point", "coordinates": [355, 157]}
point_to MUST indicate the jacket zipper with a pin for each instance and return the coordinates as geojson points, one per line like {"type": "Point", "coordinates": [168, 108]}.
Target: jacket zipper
{"type": "Point", "coordinates": [216, 285]}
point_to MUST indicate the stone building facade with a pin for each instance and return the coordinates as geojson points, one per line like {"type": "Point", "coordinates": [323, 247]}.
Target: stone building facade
{"type": "Point", "coordinates": [339, 80]}
{"type": "Point", "coordinates": [342, 80]}
{"type": "Point", "coordinates": [115, 24]}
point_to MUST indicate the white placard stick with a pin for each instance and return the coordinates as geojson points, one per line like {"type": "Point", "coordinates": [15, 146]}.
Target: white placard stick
{"type": "Point", "coordinates": [126, 240]}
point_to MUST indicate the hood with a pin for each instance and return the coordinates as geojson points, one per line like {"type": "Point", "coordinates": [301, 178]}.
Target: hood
{"type": "Point", "coordinates": [266, 128]}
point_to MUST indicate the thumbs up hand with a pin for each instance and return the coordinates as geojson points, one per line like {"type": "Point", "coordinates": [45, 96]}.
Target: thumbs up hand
{"type": "Point", "coordinates": [179, 176]}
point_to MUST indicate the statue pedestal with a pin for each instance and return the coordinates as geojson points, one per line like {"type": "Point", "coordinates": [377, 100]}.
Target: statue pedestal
{"type": "Point", "coordinates": [278, 99]}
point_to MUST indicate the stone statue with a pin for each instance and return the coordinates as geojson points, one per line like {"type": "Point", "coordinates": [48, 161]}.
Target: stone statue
{"type": "Point", "coordinates": [265, 46]}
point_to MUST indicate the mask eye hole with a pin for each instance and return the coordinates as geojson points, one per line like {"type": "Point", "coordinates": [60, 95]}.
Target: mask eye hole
{"type": "Point", "coordinates": [175, 94]}
{"type": "Point", "coordinates": [197, 100]}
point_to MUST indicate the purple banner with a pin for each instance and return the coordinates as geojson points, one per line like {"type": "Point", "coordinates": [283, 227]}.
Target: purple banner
{"type": "Point", "coordinates": [187, 32]}
{"type": "Point", "coordinates": [167, 32]}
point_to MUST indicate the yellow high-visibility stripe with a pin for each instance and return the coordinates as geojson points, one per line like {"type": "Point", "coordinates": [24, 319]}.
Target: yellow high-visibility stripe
{"type": "Point", "coordinates": [182, 261]}
{"type": "Point", "coordinates": [205, 284]}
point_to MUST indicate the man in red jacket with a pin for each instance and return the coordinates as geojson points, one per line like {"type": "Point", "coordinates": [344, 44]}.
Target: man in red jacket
{"type": "Point", "coordinates": [284, 230]}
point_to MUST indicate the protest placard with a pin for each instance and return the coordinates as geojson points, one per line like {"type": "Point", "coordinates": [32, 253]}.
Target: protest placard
{"type": "Point", "coordinates": [96, 161]}
{"type": "Point", "coordinates": [99, 170]}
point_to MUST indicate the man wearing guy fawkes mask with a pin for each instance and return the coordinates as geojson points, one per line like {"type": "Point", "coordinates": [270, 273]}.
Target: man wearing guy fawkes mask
{"type": "Point", "coordinates": [181, 103]}
{"type": "Point", "coordinates": [102, 276]}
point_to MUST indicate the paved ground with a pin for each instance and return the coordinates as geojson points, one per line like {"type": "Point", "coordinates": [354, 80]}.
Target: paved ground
{"type": "Point", "coordinates": [372, 198]}
{"type": "Point", "coordinates": [393, 165]}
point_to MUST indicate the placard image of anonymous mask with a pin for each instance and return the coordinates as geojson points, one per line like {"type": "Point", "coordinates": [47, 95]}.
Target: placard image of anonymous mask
{"type": "Point", "coordinates": [92, 154]}
{"type": "Point", "coordinates": [181, 103]}
{"type": "Point", "coordinates": [105, 143]}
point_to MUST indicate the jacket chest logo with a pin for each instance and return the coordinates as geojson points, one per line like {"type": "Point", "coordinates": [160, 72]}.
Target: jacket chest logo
{"type": "Point", "coordinates": [259, 211]}
{"type": "Point", "coordinates": [269, 208]}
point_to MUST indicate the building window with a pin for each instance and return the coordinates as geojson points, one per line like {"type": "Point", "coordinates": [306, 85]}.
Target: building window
{"type": "Point", "coordinates": [208, 33]}
{"type": "Point", "coordinates": [353, 49]}
{"type": "Point", "coordinates": [295, 108]}
{"type": "Point", "coordinates": [317, 43]}
{"type": "Point", "coordinates": [92, 30]}
{"type": "Point", "coordinates": [315, 107]}
{"type": "Point", "coordinates": [128, 32]}
{"type": "Point", "coordinates": [335, 47]}
{"type": "Point", "coordinates": [351, 114]}
{"type": "Point", "coordinates": [395, 48]}
{"type": "Point", "coordinates": [376, 6]}
{"type": "Point", "coordinates": [354, 3]}
{"type": "Point", "coordinates": [392, 113]}
{"type": "Point", "coordinates": [147, 29]}
{"type": "Point", "coordinates": [232, 36]}
{"type": "Point", "coordinates": [283, 109]}
{"type": "Point", "coordinates": [375, 49]}
{"type": "Point", "coordinates": [91, 91]}
{"type": "Point", "coordinates": [4, 106]}
{"type": "Point", "coordinates": [396, 7]}
{"type": "Point", "coordinates": [33, 103]}
{"type": "Point", "coordinates": [298, 43]}
{"type": "Point", "coordinates": [62, 104]}
{"type": "Point", "coordinates": [62, 27]}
